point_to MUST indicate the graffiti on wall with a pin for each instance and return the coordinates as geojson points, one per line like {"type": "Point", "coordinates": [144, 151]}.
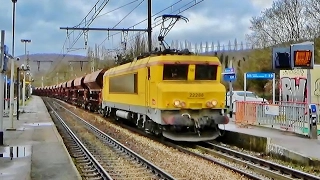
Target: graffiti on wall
{"type": "Point", "coordinates": [293, 86]}
{"type": "Point", "coordinates": [317, 89]}
{"type": "Point", "coordinates": [294, 89]}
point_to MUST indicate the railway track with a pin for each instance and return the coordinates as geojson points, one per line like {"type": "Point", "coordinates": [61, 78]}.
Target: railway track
{"type": "Point", "coordinates": [270, 169]}
{"type": "Point", "coordinates": [259, 166]}
{"type": "Point", "coordinates": [98, 155]}
{"type": "Point", "coordinates": [214, 153]}
{"type": "Point", "coordinates": [88, 164]}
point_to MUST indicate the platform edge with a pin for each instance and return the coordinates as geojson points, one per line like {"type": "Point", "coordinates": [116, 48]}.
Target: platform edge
{"type": "Point", "coordinates": [264, 145]}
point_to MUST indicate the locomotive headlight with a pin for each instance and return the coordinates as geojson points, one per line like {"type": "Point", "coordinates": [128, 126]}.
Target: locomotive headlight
{"type": "Point", "coordinates": [211, 103]}
{"type": "Point", "coordinates": [176, 103]}
{"type": "Point", "coordinates": [214, 103]}
{"type": "Point", "coordinates": [182, 104]}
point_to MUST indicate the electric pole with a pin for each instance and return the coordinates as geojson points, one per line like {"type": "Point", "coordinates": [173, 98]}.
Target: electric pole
{"type": "Point", "coordinates": [71, 69]}
{"type": "Point", "coordinates": [150, 25]}
{"type": "Point", "coordinates": [149, 28]}
{"type": "Point", "coordinates": [2, 54]}
{"type": "Point", "coordinates": [38, 63]}
{"type": "Point", "coordinates": [92, 59]}
{"type": "Point", "coordinates": [24, 69]}
{"type": "Point", "coordinates": [12, 68]}
{"type": "Point", "coordinates": [42, 81]}
{"type": "Point", "coordinates": [81, 64]}
{"type": "Point", "coordinates": [57, 78]}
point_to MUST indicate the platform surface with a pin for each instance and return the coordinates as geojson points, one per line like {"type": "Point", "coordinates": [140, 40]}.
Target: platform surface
{"type": "Point", "coordinates": [37, 148]}
{"type": "Point", "coordinates": [291, 141]}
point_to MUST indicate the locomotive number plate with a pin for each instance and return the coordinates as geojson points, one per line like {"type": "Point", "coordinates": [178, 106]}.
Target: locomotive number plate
{"type": "Point", "coordinates": [196, 95]}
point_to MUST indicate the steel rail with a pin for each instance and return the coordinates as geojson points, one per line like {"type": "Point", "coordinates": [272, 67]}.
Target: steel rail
{"type": "Point", "coordinates": [180, 148]}
{"type": "Point", "coordinates": [108, 139]}
{"type": "Point", "coordinates": [259, 165]}
{"type": "Point", "coordinates": [269, 168]}
{"type": "Point", "coordinates": [83, 153]}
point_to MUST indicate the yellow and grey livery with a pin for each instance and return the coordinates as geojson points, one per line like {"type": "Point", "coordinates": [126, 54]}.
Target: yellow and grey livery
{"type": "Point", "coordinates": [177, 96]}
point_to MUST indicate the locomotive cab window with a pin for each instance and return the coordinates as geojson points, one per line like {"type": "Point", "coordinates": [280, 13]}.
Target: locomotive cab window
{"type": "Point", "coordinates": [206, 72]}
{"type": "Point", "coordinates": [175, 71]}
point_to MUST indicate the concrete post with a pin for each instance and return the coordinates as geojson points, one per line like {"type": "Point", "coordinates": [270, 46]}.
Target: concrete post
{"type": "Point", "coordinates": [1, 86]}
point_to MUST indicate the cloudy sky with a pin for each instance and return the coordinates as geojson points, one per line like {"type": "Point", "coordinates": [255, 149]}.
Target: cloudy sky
{"type": "Point", "coordinates": [210, 20]}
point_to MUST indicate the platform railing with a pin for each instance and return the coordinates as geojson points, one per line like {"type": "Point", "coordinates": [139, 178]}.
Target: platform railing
{"type": "Point", "coordinates": [288, 116]}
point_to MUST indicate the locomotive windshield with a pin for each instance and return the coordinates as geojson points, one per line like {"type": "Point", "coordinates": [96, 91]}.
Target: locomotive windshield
{"type": "Point", "coordinates": [180, 72]}
{"type": "Point", "coordinates": [206, 72]}
{"type": "Point", "coordinates": [175, 71]}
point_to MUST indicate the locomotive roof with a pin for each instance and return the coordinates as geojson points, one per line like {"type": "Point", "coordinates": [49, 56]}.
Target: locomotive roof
{"type": "Point", "coordinates": [163, 59]}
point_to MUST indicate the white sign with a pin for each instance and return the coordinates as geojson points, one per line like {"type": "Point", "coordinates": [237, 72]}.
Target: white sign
{"type": "Point", "coordinates": [271, 110]}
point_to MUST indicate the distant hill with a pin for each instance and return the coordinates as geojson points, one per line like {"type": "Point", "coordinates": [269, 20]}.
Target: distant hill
{"type": "Point", "coordinates": [45, 64]}
{"type": "Point", "coordinates": [57, 60]}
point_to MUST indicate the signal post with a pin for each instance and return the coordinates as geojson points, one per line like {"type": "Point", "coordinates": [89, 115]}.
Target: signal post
{"type": "Point", "coordinates": [299, 56]}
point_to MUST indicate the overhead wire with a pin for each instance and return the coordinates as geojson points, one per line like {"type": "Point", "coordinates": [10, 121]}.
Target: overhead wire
{"type": "Point", "coordinates": [92, 19]}
{"type": "Point", "coordinates": [118, 8]}
{"type": "Point", "coordinates": [159, 22]}
{"type": "Point", "coordinates": [109, 36]}
{"type": "Point", "coordinates": [128, 13]}
{"type": "Point", "coordinates": [62, 52]}
{"type": "Point", "coordinates": [97, 12]}
{"type": "Point", "coordinates": [84, 20]}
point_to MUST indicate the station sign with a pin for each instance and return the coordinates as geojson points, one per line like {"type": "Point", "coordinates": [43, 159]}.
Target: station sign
{"type": "Point", "coordinates": [229, 75]}
{"type": "Point", "coordinates": [297, 56]}
{"type": "Point", "coordinates": [302, 55]}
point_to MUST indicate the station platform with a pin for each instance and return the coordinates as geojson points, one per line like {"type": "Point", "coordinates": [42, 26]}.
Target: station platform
{"type": "Point", "coordinates": [284, 144]}
{"type": "Point", "coordinates": [35, 150]}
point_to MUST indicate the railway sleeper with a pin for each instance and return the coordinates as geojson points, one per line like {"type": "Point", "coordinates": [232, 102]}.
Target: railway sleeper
{"type": "Point", "coordinates": [94, 174]}
{"type": "Point", "coordinates": [96, 178]}
{"type": "Point", "coordinates": [88, 167]}
{"type": "Point", "coordinates": [91, 170]}
{"type": "Point", "coordinates": [82, 158]}
{"type": "Point", "coordinates": [78, 153]}
{"type": "Point", "coordinates": [85, 163]}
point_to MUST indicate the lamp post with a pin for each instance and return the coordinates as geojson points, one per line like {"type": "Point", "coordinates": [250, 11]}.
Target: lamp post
{"type": "Point", "coordinates": [12, 67]}
{"type": "Point", "coordinates": [2, 54]}
{"type": "Point", "coordinates": [22, 69]}
{"type": "Point", "coordinates": [25, 41]}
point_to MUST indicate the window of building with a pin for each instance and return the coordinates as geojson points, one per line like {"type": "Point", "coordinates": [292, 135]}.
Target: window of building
{"type": "Point", "coordinates": [206, 72]}
{"type": "Point", "coordinates": [248, 94]}
{"type": "Point", "coordinates": [175, 71]}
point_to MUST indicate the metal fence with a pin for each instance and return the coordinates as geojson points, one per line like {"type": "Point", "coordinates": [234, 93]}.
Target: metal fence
{"type": "Point", "coordinates": [210, 47]}
{"type": "Point", "coordinates": [288, 116]}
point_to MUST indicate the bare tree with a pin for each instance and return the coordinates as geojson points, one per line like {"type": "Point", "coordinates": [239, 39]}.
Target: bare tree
{"type": "Point", "coordinates": [285, 21]}
{"type": "Point", "coordinates": [313, 15]}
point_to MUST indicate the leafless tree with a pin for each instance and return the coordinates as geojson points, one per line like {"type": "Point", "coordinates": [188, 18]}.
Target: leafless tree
{"type": "Point", "coordinates": [284, 21]}
{"type": "Point", "coordinates": [313, 15]}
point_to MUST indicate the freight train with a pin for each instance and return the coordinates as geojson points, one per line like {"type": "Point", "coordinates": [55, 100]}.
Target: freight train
{"type": "Point", "coordinates": [177, 95]}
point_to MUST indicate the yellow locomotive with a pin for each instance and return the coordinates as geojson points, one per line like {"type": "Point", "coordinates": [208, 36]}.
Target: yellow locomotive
{"type": "Point", "coordinates": [172, 93]}
{"type": "Point", "coordinates": [177, 95]}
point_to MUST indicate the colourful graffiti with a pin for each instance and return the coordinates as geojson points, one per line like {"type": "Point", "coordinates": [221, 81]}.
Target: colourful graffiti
{"type": "Point", "coordinates": [293, 89]}
{"type": "Point", "coordinates": [293, 85]}
{"type": "Point", "coordinates": [316, 92]}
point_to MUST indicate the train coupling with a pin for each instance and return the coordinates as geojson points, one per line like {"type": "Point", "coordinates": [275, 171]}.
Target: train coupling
{"type": "Point", "coordinates": [197, 125]}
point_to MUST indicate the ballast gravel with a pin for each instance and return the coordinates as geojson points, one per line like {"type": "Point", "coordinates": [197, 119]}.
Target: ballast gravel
{"type": "Point", "coordinates": [174, 162]}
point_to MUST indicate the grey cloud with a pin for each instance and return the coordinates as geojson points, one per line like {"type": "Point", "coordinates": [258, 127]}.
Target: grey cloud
{"type": "Point", "coordinates": [40, 21]}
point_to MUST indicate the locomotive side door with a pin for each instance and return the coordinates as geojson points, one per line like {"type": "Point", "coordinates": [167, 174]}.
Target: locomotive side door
{"type": "Point", "coordinates": [147, 86]}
